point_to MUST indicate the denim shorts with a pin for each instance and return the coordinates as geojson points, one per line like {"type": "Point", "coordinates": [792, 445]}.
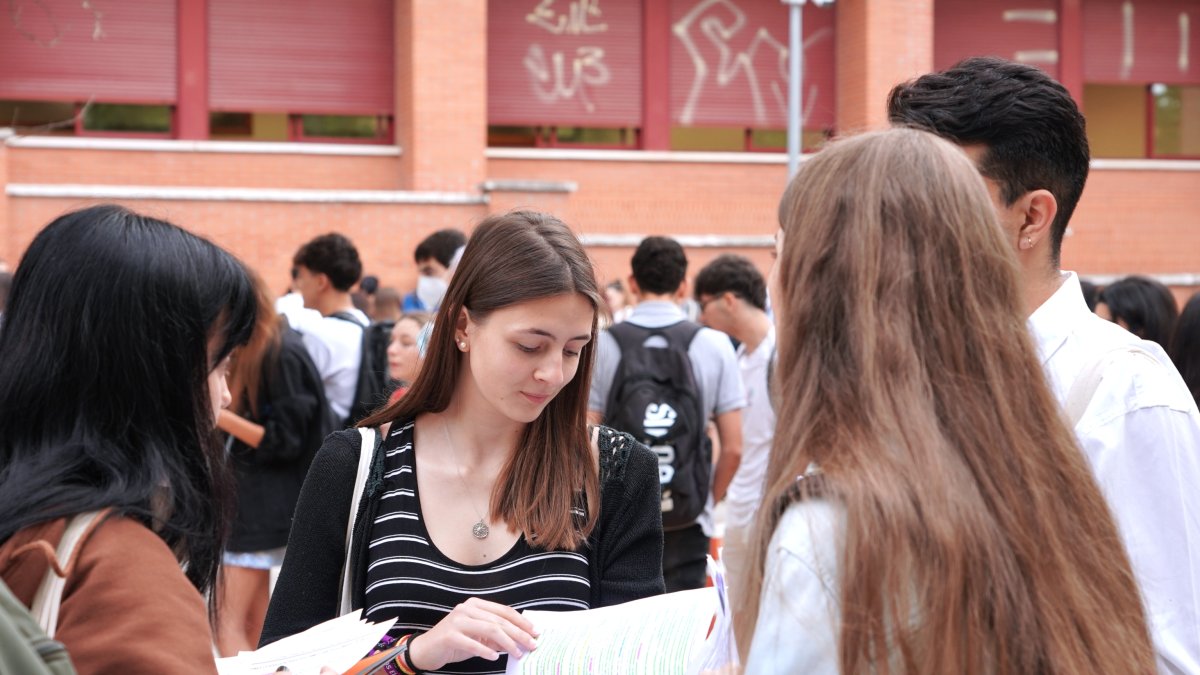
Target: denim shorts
{"type": "Point", "coordinates": [258, 560]}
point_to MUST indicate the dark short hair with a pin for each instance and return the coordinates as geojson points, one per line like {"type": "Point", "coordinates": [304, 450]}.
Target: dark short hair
{"type": "Point", "coordinates": [1091, 293]}
{"type": "Point", "coordinates": [441, 246]}
{"type": "Point", "coordinates": [731, 273]}
{"type": "Point", "coordinates": [659, 265]}
{"type": "Point", "coordinates": [1143, 304]}
{"type": "Point", "coordinates": [334, 256]}
{"type": "Point", "coordinates": [1185, 345]}
{"type": "Point", "coordinates": [1034, 134]}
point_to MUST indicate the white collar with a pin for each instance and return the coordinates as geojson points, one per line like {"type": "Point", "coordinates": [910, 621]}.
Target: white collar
{"type": "Point", "coordinates": [1058, 317]}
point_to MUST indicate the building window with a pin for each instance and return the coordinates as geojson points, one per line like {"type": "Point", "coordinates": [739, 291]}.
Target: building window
{"type": "Point", "coordinates": [1176, 118]}
{"type": "Point", "coordinates": [126, 119]}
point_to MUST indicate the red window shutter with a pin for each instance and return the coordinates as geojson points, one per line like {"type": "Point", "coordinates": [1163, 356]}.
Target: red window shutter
{"type": "Point", "coordinates": [1025, 31]}
{"type": "Point", "coordinates": [554, 62]}
{"type": "Point", "coordinates": [729, 64]}
{"type": "Point", "coordinates": [122, 52]}
{"type": "Point", "coordinates": [302, 56]}
{"type": "Point", "coordinates": [1141, 42]}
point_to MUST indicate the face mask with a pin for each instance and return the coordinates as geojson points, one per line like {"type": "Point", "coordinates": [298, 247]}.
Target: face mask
{"type": "Point", "coordinates": [430, 291]}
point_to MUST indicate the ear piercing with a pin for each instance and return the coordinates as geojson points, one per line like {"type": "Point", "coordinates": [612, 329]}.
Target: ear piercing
{"type": "Point", "coordinates": [1027, 243]}
{"type": "Point", "coordinates": [462, 345]}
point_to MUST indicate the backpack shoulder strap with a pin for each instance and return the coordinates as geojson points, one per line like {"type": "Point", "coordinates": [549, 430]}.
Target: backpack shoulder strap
{"type": "Point", "coordinates": [348, 318]}
{"type": "Point", "coordinates": [48, 598]}
{"type": "Point", "coordinates": [1083, 389]}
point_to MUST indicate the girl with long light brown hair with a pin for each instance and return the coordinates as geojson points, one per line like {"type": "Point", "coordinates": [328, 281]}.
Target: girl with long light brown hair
{"type": "Point", "coordinates": [487, 495]}
{"type": "Point", "coordinates": [927, 509]}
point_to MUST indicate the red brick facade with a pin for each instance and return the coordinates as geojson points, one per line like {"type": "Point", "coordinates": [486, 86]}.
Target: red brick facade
{"type": "Point", "coordinates": [1136, 216]}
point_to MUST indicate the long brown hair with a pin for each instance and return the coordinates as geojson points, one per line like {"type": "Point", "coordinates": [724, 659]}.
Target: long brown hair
{"type": "Point", "coordinates": [258, 355]}
{"type": "Point", "coordinates": [513, 258]}
{"type": "Point", "coordinates": [975, 540]}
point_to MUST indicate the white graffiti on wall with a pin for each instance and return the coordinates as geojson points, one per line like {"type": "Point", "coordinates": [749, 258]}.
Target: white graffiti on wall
{"type": "Point", "coordinates": [718, 22]}
{"type": "Point", "coordinates": [561, 76]}
{"type": "Point", "coordinates": [574, 22]}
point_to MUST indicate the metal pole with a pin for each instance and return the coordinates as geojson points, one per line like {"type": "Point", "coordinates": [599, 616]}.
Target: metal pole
{"type": "Point", "coordinates": [795, 84]}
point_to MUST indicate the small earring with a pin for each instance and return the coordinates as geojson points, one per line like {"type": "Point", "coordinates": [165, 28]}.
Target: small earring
{"type": "Point", "coordinates": [1028, 242]}
{"type": "Point", "coordinates": [462, 345]}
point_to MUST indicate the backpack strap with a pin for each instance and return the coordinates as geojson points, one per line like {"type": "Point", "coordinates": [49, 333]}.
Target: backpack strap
{"type": "Point", "coordinates": [1083, 389]}
{"type": "Point", "coordinates": [348, 318]}
{"type": "Point", "coordinates": [366, 453]}
{"type": "Point", "coordinates": [48, 598]}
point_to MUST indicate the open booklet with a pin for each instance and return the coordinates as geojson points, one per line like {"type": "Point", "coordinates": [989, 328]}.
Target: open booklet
{"type": "Point", "coordinates": [338, 644]}
{"type": "Point", "coordinates": [660, 635]}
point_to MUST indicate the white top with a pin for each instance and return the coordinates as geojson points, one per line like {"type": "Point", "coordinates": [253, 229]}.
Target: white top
{"type": "Point", "coordinates": [798, 615]}
{"type": "Point", "coordinates": [335, 346]}
{"type": "Point", "coordinates": [1141, 435]}
{"type": "Point", "coordinates": [758, 429]}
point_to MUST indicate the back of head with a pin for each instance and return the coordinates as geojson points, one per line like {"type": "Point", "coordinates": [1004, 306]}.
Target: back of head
{"type": "Point", "coordinates": [1185, 345]}
{"type": "Point", "coordinates": [440, 246]}
{"type": "Point", "coordinates": [334, 256]}
{"type": "Point", "coordinates": [906, 373]}
{"type": "Point", "coordinates": [1033, 130]}
{"type": "Point", "coordinates": [732, 273]}
{"type": "Point", "coordinates": [659, 266]}
{"type": "Point", "coordinates": [1145, 306]}
{"type": "Point", "coordinates": [514, 258]}
{"type": "Point", "coordinates": [114, 323]}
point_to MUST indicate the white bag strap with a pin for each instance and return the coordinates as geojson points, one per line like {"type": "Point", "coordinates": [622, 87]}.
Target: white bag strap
{"type": "Point", "coordinates": [366, 453]}
{"type": "Point", "coordinates": [1083, 389]}
{"type": "Point", "coordinates": [49, 594]}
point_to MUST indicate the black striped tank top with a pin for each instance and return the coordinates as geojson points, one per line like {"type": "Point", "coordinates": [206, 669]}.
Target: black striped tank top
{"type": "Point", "coordinates": [409, 579]}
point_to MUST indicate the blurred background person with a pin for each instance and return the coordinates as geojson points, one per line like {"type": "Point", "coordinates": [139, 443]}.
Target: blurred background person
{"type": "Point", "coordinates": [276, 423]}
{"type": "Point", "coordinates": [404, 351]}
{"type": "Point", "coordinates": [1185, 345]}
{"type": "Point", "coordinates": [436, 256]}
{"type": "Point", "coordinates": [1141, 306]}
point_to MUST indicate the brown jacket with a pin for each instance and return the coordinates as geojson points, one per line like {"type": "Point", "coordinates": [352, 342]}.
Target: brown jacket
{"type": "Point", "coordinates": [127, 607]}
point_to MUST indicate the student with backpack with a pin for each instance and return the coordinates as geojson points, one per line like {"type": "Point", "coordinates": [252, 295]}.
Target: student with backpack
{"type": "Point", "coordinates": [326, 269]}
{"type": "Point", "coordinates": [662, 378]}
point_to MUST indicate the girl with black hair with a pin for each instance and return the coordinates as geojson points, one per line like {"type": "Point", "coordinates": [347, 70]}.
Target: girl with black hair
{"type": "Point", "coordinates": [116, 343]}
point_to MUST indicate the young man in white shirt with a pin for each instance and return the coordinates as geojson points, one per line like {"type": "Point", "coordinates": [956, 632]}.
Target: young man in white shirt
{"type": "Point", "coordinates": [1133, 416]}
{"type": "Point", "coordinates": [326, 269]}
{"type": "Point", "coordinates": [732, 295]}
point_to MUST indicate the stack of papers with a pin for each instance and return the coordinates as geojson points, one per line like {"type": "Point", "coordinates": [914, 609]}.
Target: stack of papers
{"type": "Point", "coordinates": [338, 643]}
{"type": "Point", "coordinates": [660, 635]}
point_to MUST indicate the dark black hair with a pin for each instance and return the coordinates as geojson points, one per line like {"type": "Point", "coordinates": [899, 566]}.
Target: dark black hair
{"type": "Point", "coordinates": [1034, 134]}
{"type": "Point", "coordinates": [731, 273]}
{"type": "Point", "coordinates": [1144, 305]}
{"type": "Point", "coordinates": [1185, 345]}
{"type": "Point", "coordinates": [659, 265]}
{"type": "Point", "coordinates": [441, 246]}
{"type": "Point", "coordinates": [114, 323]}
{"type": "Point", "coordinates": [1091, 293]}
{"type": "Point", "coordinates": [334, 256]}
{"type": "Point", "coordinates": [5, 287]}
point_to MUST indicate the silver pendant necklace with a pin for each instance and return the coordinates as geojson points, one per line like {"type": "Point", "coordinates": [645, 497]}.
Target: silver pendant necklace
{"type": "Point", "coordinates": [480, 529]}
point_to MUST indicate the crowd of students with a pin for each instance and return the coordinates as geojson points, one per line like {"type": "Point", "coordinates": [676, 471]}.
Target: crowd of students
{"type": "Point", "coordinates": [935, 457]}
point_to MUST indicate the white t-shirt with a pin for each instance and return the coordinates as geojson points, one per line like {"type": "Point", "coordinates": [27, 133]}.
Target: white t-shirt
{"type": "Point", "coordinates": [758, 429]}
{"type": "Point", "coordinates": [335, 346]}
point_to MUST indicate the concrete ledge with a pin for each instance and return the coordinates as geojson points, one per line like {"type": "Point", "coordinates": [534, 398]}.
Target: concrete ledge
{"type": "Point", "coordinates": [224, 194]}
{"type": "Point", "coordinates": [569, 154]}
{"type": "Point", "coordinates": [1180, 279]}
{"type": "Point", "coordinates": [1146, 165]}
{"type": "Point", "coordinates": [601, 240]}
{"type": "Point", "coordinates": [518, 185]}
{"type": "Point", "coordinates": [169, 145]}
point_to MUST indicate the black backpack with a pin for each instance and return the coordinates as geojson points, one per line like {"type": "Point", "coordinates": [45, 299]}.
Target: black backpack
{"type": "Point", "coordinates": [654, 397]}
{"type": "Point", "coordinates": [374, 386]}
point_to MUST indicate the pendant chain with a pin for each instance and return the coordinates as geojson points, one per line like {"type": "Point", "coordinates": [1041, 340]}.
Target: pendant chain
{"type": "Point", "coordinates": [480, 529]}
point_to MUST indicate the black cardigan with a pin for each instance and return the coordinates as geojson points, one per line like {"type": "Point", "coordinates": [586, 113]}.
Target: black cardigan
{"type": "Point", "coordinates": [624, 550]}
